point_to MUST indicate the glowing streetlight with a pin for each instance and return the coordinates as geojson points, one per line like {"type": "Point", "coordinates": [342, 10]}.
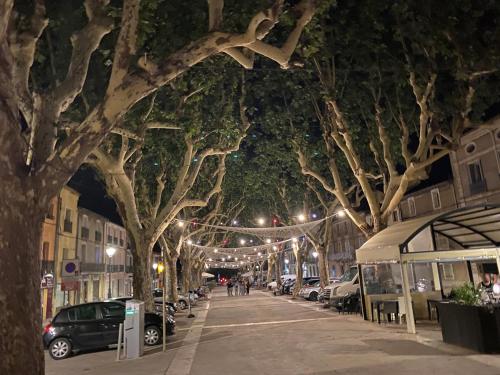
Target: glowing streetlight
{"type": "Point", "coordinates": [110, 251]}
{"type": "Point", "coordinates": [259, 253]}
{"type": "Point", "coordinates": [315, 254]}
{"type": "Point", "coordinates": [161, 267]}
{"type": "Point", "coordinates": [155, 266]}
{"type": "Point", "coordinates": [275, 248]}
{"type": "Point", "coordinates": [341, 213]}
{"type": "Point", "coordinates": [189, 242]}
{"type": "Point", "coordinates": [254, 249]}
{"type": "Point", "coordinates": [215, 250]}
{"type": "Point", "coordinates": [287, 261]}
{"type": "Point", "coordinates": [235, 222]}
{"type": "Point", "coordinates": [268, 240]}
{"type": "Point", "coordinates": [261, 221]}
{"type": "Point", "coordinates": [229, 257]}
{"type": "Point", "coordinates": [301, 217]}
{"type": "Point", "coordinates": [243, 241]}
{"type": "Point", "coordinates": [180, 224]}
{"type": "Point", "coordinates": [209, 259]}
{"type": "Point", "coordinates": [223, 259]}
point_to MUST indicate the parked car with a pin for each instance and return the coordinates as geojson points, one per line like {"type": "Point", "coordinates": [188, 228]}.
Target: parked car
{"type": "Point", "coordinates": [310, 290]}
{"type": "Point", "coordinates": [95, 325]}
{"type": "Point", "coordinates": [170, 306]}
{"type": "Point", "coordinates": [347, 284]}
{"type": "Point", "coordinates": [182, 301]}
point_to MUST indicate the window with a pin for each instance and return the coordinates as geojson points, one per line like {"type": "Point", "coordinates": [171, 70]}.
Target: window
{"type": "Point", "coordinates": [347, 245]}
{"type": "Point", "coordinates": [436, 199]}
{"type": "Point", "coordinates": [470, 148]}
{"type": "Point", "coordinates": [50, 213]}
{"type": "Point", "coordinates": [84, 312]}
{"type": "Point", "coordinates": [45, 251]}
{"type": "Point", "coordinates": [396, 215]}
{"type": "Point", "coordinates": [475, 172]}
{"type": "Point", "coordinates": [68, 224]}
{"type": "Point", "coordinates": [448, 271]}
{"type": "Point", "coordinates": [412, 209]}
{"type": "Point", "coordinates": [98, 254]}
{"type": "Point", "coordinates": [82, 254]}
{"type": "Point", "coordinates": [113, 310]}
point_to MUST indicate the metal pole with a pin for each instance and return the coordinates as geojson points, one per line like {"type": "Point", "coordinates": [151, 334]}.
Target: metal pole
{"type": "Point", "coordinates": [109, 277]}
{"type": "Point", "coordinates": [410, 320]}
{"type": "Point", "coordinates": [164, 312]}
{"type": "Point", "coordinates": [120, 337]}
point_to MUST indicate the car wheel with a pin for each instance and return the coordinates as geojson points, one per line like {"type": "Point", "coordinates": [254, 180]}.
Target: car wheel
{"type": "Point", "coordinates": [60, 348]}
{"type": "Point", "coordinates": [182, 305]}
{"type": "Point", "coordinates": [151, 336]}
{"type": "Point", "coordinates": [313, 296]}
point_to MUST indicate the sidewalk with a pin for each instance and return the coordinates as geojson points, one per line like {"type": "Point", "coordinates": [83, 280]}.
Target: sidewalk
{"type": "Point", "coordinates": [261, 334]}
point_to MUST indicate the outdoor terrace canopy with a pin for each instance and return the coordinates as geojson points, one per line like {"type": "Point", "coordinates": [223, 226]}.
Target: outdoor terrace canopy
{"type": "Point", "coordinates": [473, 234]}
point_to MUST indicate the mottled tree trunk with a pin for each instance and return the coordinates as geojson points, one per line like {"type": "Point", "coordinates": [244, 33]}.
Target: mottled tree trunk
{"type": "Point", "coordinates": [171, 270]}
{"type": "Point", "coordinates": [21, 349]}
{"type": "Point", "coordinates": [299, 259]}
{"type": "Point", "coordinates": [278, 270]}
{"type": "Point", "coordinates": [142, 274]}
{"type": "Point", "coordinates": [270, 263]}
{"type": "Point", "coordinates": [323, 266]}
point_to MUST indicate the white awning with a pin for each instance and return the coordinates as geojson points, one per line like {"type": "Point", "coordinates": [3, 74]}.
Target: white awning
{"type": "Point", "coordinates": [207, 275]}
{"type": "Point", "coordinates": [468, 229]}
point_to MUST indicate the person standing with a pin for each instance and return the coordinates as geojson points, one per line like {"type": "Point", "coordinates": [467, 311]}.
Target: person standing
{"type": "Point", "coordinates": [236, 287]}
{"type": "Point", "coordinates": [229, 288]}
{"type": "Point", "coordinates": [247, 285]}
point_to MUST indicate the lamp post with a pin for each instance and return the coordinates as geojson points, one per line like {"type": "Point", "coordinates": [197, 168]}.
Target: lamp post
{"type": "Point", "coordinates": [110, 251]}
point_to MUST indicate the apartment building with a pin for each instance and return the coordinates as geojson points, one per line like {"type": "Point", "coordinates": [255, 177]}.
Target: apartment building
{"type": "Point", "coordinates": [66, 262]}
{"type": "Point", "coordinates": [90, 245]}
{"type": "Point", "coordinates": [119, 266]}
{"type": "Point", "coordinates": [346, 239]}
{"type": "Point", "coordinates": [47, 256]}
{"type": "Point", "coordinates": [476, 168]}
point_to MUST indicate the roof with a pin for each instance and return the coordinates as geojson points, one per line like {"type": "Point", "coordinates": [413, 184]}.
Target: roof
{"type": "Point", "coordinates": [475, 227]}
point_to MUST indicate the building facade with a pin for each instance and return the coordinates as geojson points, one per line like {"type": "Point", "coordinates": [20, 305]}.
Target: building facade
{"type": "Point", "coordinates": [90, 245]}
{"type": "Point", "coordinates": [47, 256]}
{"type": "Point", "coordinates": [66, 262]}
{"type": "Point", "coordinates": [119, 266]}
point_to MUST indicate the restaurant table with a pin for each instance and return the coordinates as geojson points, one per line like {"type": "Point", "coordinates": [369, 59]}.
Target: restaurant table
{"type": "Point", "coordinates": [387, 306]}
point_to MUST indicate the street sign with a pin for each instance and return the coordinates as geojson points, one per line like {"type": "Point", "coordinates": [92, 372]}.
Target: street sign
{"type": "Point", "coordinates": [67, 285]}
{"type": "Point", "coordinates": [70, 267]}
{"type": "Point", "coordinates": [47, 282]}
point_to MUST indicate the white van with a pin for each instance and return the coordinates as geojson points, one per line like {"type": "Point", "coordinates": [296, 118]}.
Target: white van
{"type": "Point", "coordinates": [348, 283]}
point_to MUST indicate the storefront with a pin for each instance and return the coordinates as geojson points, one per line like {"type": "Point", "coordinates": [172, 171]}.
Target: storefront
{"type": "Point", "coordinates": [417, 262]}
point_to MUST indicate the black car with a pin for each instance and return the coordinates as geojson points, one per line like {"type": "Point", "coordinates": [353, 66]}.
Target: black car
{"type": "Point", "coordinates": [95, 325]}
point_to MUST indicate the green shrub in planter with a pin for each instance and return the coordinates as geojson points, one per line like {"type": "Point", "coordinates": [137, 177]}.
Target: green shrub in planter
{"type": "Point", "coordinates": [467, 294]}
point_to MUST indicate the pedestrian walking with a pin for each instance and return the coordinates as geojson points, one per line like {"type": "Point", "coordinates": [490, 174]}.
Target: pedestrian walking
{"type": "Point", "coordinates": [242, 287]}
{"type": "Point", "coordinates": [236, 287]}
{"type": "Point", "coordinates": [247, 285]}
{"type": "Point", "coordinates": [229, 288]}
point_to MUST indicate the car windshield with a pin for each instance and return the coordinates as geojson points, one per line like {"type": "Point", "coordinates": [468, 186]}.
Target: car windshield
{"type": "Point", "coordinates": [349, 275]}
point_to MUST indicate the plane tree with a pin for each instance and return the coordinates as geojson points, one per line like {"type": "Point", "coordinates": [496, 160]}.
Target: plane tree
{"type": "Point", "coordinates": [70, 71]}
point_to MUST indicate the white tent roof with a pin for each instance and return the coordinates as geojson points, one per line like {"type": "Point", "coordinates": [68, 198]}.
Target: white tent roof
{"type": "Point", "coordinates": [469, 228]}
{"type": "Point", "coordinates": [207, 275]}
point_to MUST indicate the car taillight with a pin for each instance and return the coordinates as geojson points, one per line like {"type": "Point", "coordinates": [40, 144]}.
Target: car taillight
{"type": "Point", "coordinates": [47, 328]}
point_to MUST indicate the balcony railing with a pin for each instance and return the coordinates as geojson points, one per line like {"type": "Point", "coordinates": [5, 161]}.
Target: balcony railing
{"type": "Point", "coordinates": [92, 267]}
{"type": "Point", "coordinates": [68, 226]}
{"type": "Point", "coordinates": [116, 268]}
{"type": "Point", "coordinates": [47, 266]}
{"type": "Point", "coordinates": [478, 187]}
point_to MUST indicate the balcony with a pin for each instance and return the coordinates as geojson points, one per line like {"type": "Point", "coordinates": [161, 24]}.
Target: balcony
{"type": "Point", "coordinates": [477, 187]}
{"type": "Point", "coordinates": [85, 233]}
{"type": "Point", "coordinates": [92, 268]}
{"type": "Point", "coordinates": [47, 266]}
{"type": "Point", "coordinates": [116, 268]}
{"type": "Point", "coordinates": [68, 226]}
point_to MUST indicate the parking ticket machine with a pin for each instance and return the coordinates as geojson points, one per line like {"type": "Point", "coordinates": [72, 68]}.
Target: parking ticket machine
{"type": "Point", "coordinates": [134, 328]}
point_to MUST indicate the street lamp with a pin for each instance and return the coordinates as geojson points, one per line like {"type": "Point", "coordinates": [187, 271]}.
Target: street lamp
{"type": "Point", "coordinates": [261, 221]}
{"type": "Point", "coordinates": [301, 217]}
{"type": "Point", "coordinates": [315, 254]}
{"type": "Point", "coordinates": [110, 251]}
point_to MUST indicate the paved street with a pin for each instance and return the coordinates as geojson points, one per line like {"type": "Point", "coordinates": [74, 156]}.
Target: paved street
{"type": "Point", "coordinates": [262, 334]}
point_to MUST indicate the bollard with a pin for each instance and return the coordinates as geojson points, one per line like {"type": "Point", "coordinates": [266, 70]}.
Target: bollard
{"type": "Point", "coordinates": [120, 337]}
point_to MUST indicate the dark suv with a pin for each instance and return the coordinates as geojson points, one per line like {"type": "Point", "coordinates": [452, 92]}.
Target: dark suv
{"type": "Point", "coordinates": [94, 325]}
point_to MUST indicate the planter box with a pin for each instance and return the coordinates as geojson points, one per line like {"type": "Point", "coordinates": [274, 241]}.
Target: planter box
{"type": "Point", "coordinates": [472, 327]}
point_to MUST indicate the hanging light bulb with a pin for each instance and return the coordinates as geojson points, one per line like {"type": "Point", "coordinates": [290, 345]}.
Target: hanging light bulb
{"type": "Point", "coordinates": [215, 250]}
{"type": "Point", "coordinates": [243, 241]}
{"type": "Point", "coordinates": [301, 217]}
{"type": "Point", "coordinates": [254, 249]}
{"type": "Point", "coordinates": [259, 253]}
{"type": "Point", "coordinates": [180, 224]}
{"type": "Point", "coordinates": [189, 242]}
{"type": "Point", "coordinates": [261, 221]}
{"type": "Point", "coordinates": [268, 240]}
{"type": "Point", "coordinates": [341, 213]}
{"type": "Point", "coordinates": [315, 254]}
{"type": "Point", "coordinates": [275, 248]}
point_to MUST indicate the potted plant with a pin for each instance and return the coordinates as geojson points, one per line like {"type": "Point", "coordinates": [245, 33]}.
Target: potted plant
{"type": "Point", "coordinates": [466, 322]}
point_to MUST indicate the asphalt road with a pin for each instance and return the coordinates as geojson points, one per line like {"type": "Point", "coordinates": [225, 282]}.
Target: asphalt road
{"type": "Point", "coordinates": [261, 334]}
